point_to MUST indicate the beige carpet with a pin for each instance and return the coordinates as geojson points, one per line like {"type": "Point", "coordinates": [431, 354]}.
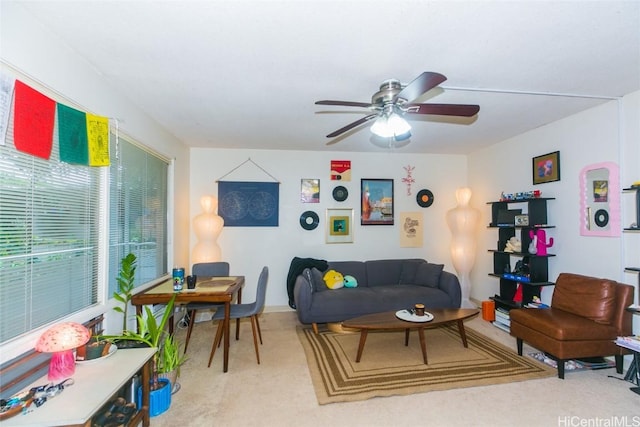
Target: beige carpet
{"type": "Point", "coordinates": [279, 391]}
{"type": "Point", "coordinates": [390, 368]}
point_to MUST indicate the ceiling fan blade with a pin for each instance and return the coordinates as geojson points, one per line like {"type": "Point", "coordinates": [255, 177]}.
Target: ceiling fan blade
{"type": "Point", "coordinates": [421, 84]}
{"type": "Point", "coordinates": [352, 125]}
{"type": "Point", "coordinates": [344, 103]}
{"type": "Point", "coordinates": [443, 109]}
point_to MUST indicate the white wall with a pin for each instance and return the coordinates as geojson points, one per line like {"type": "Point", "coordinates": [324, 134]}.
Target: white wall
{"type": "Point", "coordinates": [609, 132]}
{"type": "Point", "coordinates": [248, 249]}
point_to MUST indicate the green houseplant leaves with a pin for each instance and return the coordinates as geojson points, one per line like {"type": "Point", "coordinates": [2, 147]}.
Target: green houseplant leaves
{"type": "Point", "coordinates": [126, 284]}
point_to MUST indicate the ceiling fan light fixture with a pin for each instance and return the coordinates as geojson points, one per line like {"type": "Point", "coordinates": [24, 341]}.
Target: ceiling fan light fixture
{"type": "Point", "coordinates": [391, 126]}
{"type": "Point", "coordinates": [381, 128]}
{"type": "Point", "coordinates": [403, 136]}
{"type": "Point", "coordinates": [399, 126]}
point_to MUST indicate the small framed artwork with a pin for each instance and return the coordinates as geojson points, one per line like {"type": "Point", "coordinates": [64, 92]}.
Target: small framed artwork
{"type": "Point", "coordinates": [340, 225]}
{"type": "Point", "coordinates": [376, 202]}
{"type": "Point", "coordinates": [411, 229]}
{"type": "Point", "coordinates": [310, 190]}
{"type": "Point", "coordinates": [546, 168]}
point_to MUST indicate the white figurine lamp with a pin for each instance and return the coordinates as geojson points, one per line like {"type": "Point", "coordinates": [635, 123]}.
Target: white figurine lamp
{"type": "Point", "coordinates": [462, 221]}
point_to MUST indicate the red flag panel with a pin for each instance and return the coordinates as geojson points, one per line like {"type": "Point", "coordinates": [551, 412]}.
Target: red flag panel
{"type": "Point", "coordinates": [34, 117]}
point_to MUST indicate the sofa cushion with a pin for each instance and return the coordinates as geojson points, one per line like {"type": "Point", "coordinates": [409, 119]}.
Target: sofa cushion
{"type": "Point", "coordinates": [383, 272]}
{"type": "Point", "coordinates": [559, 325]}
{"type": "Point", "coordinates": [428, 274]}
{"type": "Point", "coordinates": [409, 270]}
{"type": "Point", "coordinates": [315, 277]}
{"type": "Point", "coordinates": [351, 268]}
{"type": "Point", "coordinates": [342, 304]}
{"type": "Point", "coordinates": [585, 296]}
{"type": "Point", "coordinates": [400, 297]}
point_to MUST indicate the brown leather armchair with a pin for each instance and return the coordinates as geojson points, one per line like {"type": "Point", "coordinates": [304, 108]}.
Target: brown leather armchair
{"type": "Point", "coordinates": [585, 317]}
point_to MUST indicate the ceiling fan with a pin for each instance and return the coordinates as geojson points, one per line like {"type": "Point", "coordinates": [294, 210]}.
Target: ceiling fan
{"type": "Point", "coordinates": [393, 101]}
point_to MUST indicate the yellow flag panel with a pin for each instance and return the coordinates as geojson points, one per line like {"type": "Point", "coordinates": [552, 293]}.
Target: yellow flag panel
{"type": "Point", "coordinates": [98, 136]}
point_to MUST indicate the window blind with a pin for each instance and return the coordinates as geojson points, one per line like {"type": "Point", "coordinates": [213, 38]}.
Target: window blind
{"type": "Point", "coordinates": [137, 211]}
{"type": "Point", "coordinates": [51, 217]}
{"type": "Point", "coordinates": [49, 223]}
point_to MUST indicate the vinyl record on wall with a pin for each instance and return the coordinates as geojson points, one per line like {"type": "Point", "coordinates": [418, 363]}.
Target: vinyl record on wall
{"type": "Point", "coordinates": [424, 198]}
{"type": "Point", "coordinates": [601, 218]}
{"type": "Point", "coordinates": [309, 220]}
{"type": "Point", "coordinates": [340, 194]}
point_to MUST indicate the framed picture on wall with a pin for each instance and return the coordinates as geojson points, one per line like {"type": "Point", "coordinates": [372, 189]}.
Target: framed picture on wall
{"type": "Point", "coordinates": [340, 225]}
{"type": "Point", "coordinates": [376, 202]}
{"type": "Point", "coordinates": [309, 190]}
{"type": "Point", "coordinates": [546, 168]}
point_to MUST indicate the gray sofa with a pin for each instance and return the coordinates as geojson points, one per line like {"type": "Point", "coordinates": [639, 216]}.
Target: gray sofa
{"type": "Point", "coordinates": [383, 285]}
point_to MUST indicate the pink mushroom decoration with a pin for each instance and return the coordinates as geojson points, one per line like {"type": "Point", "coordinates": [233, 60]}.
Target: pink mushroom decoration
{"type": "Point", "coordinates": [60, 340]}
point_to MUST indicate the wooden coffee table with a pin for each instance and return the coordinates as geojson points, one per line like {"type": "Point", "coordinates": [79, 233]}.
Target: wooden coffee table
{"type": "Point", "coordinates": [389, 321]}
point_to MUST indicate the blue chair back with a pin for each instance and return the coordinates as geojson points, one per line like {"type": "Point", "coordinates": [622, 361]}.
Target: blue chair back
{"type": "Point", "coordinates": [205, 269]}
{"type": "Point", "coordinates": [261, 292]}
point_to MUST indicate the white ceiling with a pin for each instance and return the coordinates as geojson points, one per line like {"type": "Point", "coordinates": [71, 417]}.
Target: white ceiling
{"type": "Point", "coordinates": [246, 74]}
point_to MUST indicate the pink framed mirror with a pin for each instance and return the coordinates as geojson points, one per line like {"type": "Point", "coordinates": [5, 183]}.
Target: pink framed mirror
{"type": "Point", "coordinates": [600, 200]}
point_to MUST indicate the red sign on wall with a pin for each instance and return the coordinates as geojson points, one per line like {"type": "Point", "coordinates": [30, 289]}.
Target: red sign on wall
{"type": "Point", "coordinates": [341, 170]}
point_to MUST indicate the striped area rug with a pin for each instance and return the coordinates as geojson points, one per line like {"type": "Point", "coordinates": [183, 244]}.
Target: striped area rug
{"type": "Point", "coordinates": [390, 368]}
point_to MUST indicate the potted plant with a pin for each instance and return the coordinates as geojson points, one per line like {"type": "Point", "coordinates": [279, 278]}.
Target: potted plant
{"type": "Point", "coordinates": [150, 333]}
{"type": "Point", "coordinates": [95, 348]}
{"type": "Point", "coordinates": [126, 284]}
{"type": "Point", "coordinates": [98, 346]}
{"type": "Point", "coordinates": [170, 361]}
{"type": "Point", "coordinates": [153, 334]}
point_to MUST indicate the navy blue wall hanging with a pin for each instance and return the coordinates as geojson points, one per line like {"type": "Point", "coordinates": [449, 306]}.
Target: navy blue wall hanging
{"type": "Point", "coordinates": [249, 203]}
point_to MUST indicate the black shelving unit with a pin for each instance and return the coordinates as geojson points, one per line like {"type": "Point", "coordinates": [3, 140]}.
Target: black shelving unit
{"type": "Point", "coordinates": [637, 205]}
{"type": "Point", "coordinates": [503, 261]}
{"type": "Point", "coordinates": [635, 229]}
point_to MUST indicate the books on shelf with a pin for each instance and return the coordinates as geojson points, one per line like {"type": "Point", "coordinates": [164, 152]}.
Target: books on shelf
{"type": "Point", "coordinates": [536, 305]}
{"type": "Point", "coordinates": [502, 320]}
{"type": "Point", "coordinates": [501, 326]}
{"type": "Point", "coordinates": [502, 311]}
{"type": "Point", "coordinates": [505, 322]}
{"type": "Point", "coordinates": [630, 342]}
{"type": "Point", "coordinates": [503, 317]}
{"type": "Point", "coordinates": [517, 277]}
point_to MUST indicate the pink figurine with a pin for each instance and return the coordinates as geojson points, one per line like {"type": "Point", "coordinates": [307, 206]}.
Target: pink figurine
{"type": "Point", "coordinates": [542, 245]}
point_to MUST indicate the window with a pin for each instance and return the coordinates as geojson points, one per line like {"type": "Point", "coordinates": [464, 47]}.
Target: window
{"type": "Point", "coordinates": [49, 222]}
{"type": "Point", "coordinates": [137, 211]}
{"type": "Point", "coordinates": [54, 218]}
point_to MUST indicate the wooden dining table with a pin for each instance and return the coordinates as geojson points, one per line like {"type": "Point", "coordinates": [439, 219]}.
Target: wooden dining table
{"type": "Point", "coordinates": [208, 290]}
